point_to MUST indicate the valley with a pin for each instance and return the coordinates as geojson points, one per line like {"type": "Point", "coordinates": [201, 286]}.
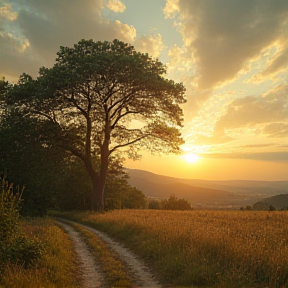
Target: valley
{"type": "Point", "coordinates": [206, 194]}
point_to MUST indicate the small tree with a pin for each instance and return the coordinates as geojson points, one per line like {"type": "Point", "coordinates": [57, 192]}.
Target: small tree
{"type": "Point", "coordinates": [155, 204]}
{"type": "Point", "coordinates": [173, 203]}
{"type": "Point", "coordinates": [272, 208]}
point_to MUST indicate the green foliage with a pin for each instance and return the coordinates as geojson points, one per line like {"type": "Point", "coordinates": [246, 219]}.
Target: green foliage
{"type": "Point", "coordinates": [247, 208]}
{"type": "Point", "coordinates": [21, 250]}
{"type": "Point", "coordinates": [84, 105]}
{"type": "Point", "coordinates": [119, 194]}
{"type": "Point", "coordinates": [154, 204]}
{"type": "Point", "coordinates": [74, 188]}
{"type": "Point", "coordinates": [9, 210]}
{"type": "Point", "coordinates": [90, 95]}
{"type": "Point", "coordinates": [15, 248]}
{"type": "Point", "coordinates": [272, 208]}
{"type": "Point", "coordinates": [172, 203]}
{"type": "Point", "coordinates": [30, 160]}
{"type": "Point", "coordinates": [45, 258]}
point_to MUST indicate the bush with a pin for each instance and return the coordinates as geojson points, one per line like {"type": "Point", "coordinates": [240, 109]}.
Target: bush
{"type": "Point", "coordinates": [21, 250]}
{"type": "Point", "coordinates": [9, 209]}
{"type": "Point", "coordinates": [15, 248]}
{"type": "Point", "coordinates": [173, 203]}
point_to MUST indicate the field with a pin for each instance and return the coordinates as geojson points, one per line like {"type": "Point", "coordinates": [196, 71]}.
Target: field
{"type": "Point", "coordinates": [56, 267]}
{"type": "Point", "coordinates": [204, 248]}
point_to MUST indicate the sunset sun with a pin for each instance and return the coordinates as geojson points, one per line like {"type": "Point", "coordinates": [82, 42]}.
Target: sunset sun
{"type": "Point", "coordinates": [191, 157]}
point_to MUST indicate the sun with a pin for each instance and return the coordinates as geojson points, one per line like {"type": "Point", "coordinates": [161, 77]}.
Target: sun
{"type": "Point", "coordinates": [191, 157]}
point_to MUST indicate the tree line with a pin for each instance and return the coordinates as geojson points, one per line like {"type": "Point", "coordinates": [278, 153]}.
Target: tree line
{"type": "Point", "coordinates": [65, 134]}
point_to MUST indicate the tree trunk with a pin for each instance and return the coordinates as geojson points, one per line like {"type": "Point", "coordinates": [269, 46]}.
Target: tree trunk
{"type": "Point", "coordinates": [94, 176]}
{"type": "Point", "coordinates": [102, 175]}
{"type": "Point", "coordinates": [99, 179]}
{"type": "Point", "coordinates": [95, 188]}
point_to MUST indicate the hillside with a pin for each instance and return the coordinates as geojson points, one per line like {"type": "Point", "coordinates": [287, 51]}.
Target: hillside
{"type": "Point", "coordinates": [277, 201]}
{"type": "Point", "coordinates": [205, 193]}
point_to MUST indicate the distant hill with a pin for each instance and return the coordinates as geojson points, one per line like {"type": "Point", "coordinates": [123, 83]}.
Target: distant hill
{"type": "Point", "coordinates": [277, 201]}
{"type": "Point", "coordinates": [229, 194]}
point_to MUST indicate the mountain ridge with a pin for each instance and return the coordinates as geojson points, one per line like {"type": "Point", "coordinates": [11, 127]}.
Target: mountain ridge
{"type": "Point", "coordinates": [206, 193]}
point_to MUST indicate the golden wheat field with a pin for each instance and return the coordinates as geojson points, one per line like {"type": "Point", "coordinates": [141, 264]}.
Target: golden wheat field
{"type": "Point", "coordinates": [205, 248]}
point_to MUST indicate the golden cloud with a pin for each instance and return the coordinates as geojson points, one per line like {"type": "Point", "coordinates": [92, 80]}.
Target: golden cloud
{"type": "Point", "coordinates": [222, 36]}
{"type": "Point", "coordinates": [116, 6]}
{"type": "Point", "coordinates": [151, 44]}
{"type": "Point", "coordinates": [7, 13]}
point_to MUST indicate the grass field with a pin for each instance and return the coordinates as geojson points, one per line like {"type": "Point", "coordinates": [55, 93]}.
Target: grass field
{"type": "Point", "coordinates": [57, 267]}
{"type": "Point", "coordinates": [204, 248]}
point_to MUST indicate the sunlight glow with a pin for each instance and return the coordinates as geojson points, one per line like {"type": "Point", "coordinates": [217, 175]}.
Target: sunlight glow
{"type": "Point", "coordinates": [191, 157]}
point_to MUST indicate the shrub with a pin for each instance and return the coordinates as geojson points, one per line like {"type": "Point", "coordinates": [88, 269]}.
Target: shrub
{"type": "Point", "coordinates": [24, 251]}
{"type": "Point", "coordinates": [9, 209]}
{"type": "Point", "coordinates": [15, 248]}
{"type": "Point", "coordinates": [172, 203]}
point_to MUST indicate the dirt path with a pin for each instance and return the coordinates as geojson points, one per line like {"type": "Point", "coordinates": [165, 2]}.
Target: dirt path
{"type": "Point", "coordinates": [144, 278]}
{"type": "Point", "coordinates": [90, 273]}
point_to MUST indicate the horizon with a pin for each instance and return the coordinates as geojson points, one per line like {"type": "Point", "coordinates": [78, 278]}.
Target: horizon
{"type": "Point", "coordinates": [233, 63]}
{"type": "Point", "coordinates": [199, 179]}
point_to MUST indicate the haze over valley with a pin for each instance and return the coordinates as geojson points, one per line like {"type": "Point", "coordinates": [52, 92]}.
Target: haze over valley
{"type": "Point", "coordinates": [231, 194]}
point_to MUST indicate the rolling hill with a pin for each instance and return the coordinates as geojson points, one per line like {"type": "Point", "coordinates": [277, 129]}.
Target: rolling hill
{"type": "Point", "coordinates": [205, 193]}
{"type": "Point", "coordinates": [277, 201]}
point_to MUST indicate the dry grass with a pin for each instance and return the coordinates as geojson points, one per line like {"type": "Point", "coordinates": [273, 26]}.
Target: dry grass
{"type": "Point", "coordinates": [205, 248]}
{"type": "Point", "coordinates": [114, 271]}
{"type": "Point", "coordinates": [57, 267]}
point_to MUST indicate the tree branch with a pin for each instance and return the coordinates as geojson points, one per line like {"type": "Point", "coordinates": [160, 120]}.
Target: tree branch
{"type": "Point", "coordinates": [127, 143]}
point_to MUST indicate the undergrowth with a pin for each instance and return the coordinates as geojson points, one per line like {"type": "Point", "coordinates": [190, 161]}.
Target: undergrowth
{"type": "Point", "coordinates": [55, 268]}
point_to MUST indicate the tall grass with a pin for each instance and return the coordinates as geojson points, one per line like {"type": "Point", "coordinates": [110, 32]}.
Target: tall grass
{"type": "Point", "coordinates": [10, 201]}
{"type": "Point", "coordinates": [205, 248]}
{"type": "Point", "coordinates": [57, 266]}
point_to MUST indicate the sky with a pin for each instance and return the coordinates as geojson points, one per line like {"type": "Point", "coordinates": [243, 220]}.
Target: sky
{"type": "Point", "coordinates": [231, 55]}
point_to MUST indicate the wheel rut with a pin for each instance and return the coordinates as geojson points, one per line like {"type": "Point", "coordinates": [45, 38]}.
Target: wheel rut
{"type": "Point", "coordinates": [142, 276]}
{"type": "Point", "coordinates": [91, 276]}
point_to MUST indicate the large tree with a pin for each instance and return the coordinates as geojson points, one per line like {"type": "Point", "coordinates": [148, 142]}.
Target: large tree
{"type": "Point", "coordinates": [100, 97]}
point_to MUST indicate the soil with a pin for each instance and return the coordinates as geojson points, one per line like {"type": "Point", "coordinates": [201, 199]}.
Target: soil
{"type": "Point", "coordinates": [92, 278]}
{"type": "Point", "coordinates": [90, 274]}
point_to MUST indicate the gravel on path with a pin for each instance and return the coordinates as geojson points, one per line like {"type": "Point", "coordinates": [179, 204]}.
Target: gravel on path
{"type": "Point", "coordinates": [90, 273]}
{"type": "Point", "coordinates": [142, 274]}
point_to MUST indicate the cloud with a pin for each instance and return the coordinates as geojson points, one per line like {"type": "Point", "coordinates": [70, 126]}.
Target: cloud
{"type": "Point", "coordinates": [181, 67]}
{"type": "Point", "coordinates": [222, 36]}
{"type": "Point", "coordinates": [253, 110]}
{"type": "Point", "coordinates": [171, 8]}
{"type": "Point", "coordinates": [276, 130]}
{"type": "Point", "coordinates": [258, 145]}
{"type": "Point", "coordinates": [7, 13]}
{"type": "Point", "coordinates": [116, 6]}
{"type": "Point", "coordinates": [277, 64]}
{"type": "Point", "coordinates": [151, 44]}
{"type": "Point", "coordinates": [47, 25]}
{"type": "Point", "coordinates": [215, 139]}
{"type": "Point", "coordinates": [263, 156]}
{"type": "Point", "coordinates": [265, 116]}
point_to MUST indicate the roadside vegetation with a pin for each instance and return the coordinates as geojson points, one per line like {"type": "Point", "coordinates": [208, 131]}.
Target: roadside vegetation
{"type": "Point", "coordinates": [33, 253]}
{"type": "Point", "coordinates": [203, 248]}
{"type": "Point", "coordinates": [56, 265]}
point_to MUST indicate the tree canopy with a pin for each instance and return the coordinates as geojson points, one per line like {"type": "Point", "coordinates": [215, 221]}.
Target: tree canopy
{"type": "Point", "coordinates": [100, 97]}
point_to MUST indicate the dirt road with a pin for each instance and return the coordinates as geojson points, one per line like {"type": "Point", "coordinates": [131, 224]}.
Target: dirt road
{"type": "Point", "coordinates": [92, 278]}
